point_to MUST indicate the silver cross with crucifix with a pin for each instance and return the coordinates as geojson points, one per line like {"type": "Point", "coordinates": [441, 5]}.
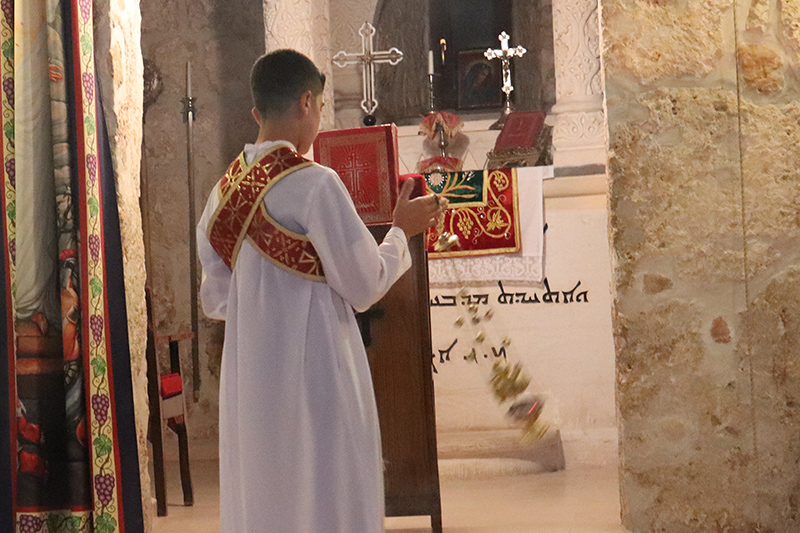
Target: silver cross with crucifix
{"type": "Point", "coordinates": [505, 54]}
{"type": "Point", "coordinates": [368, 58]}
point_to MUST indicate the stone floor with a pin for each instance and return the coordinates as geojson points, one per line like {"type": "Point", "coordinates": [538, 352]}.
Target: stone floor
{"type": "Point", "coordinates": [582, 500]}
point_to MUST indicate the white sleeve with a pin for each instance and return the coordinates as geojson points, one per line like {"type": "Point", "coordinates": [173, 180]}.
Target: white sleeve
{"type": "Point", "coordinates": [216, 279]}
{"type": "Point", "coordinates": [355, 266]}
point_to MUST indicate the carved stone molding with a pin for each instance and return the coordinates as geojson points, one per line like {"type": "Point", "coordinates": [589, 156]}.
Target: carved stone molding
{"type": "Point", "coordinates": [304, 26]}
{"type": "Point", "coordinates": [576, 47]}
{"type": "Point", "coordinates": [579, 131]}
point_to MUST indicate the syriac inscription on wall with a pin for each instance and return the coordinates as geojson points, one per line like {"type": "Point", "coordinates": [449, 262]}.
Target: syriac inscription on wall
{"type": "Point", "coordinates": [481, 329]}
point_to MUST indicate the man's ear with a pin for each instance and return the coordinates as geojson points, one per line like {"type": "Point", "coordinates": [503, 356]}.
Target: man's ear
{"type": "Point", "coordinates": [256, 115]}
{"type": "Point", "coordinates": [306, 102]}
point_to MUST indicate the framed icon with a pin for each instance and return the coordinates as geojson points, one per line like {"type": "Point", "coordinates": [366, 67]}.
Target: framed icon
{"type": "Point", "coordinates": [479, 81]}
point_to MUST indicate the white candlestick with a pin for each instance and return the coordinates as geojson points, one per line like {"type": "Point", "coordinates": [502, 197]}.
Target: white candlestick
{"type": "Point", "coordinates": [430, 62]}
{"type": "Point", "coordinates": [189, 79]}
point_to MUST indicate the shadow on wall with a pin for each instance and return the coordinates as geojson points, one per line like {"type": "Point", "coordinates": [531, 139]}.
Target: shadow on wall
{"type": "Point", "coordinates": [238, 26]}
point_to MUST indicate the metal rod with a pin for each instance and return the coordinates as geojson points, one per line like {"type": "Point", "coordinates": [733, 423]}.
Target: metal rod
{"type": "Point", "coordinates": [442, 143]}
{"type": "Point", "coordinates": [189, 112]}
{"type": "Point", "coordinates": [431, 95]}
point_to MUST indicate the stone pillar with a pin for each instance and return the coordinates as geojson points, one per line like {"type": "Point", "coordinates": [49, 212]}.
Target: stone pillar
{"type": "Point", "coordinates": [579, 132]}
{"type": "Point", "coordinates": [117, 37]}
{"type": "Point", "coordinates": [303, 26]}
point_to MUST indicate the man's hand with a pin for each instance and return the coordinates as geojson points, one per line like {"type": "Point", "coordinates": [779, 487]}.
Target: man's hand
{"type": "Point", "coordinates": [417, 215]}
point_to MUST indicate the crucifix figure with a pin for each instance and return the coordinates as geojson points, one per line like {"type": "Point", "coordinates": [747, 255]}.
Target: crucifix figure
{"type": "Point", "coordinates": [368, 58]}
{"type": "Point", "coordinates": [505, 54]}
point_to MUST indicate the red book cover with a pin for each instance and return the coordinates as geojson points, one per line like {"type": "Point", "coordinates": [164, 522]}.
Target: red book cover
{"type": "Point", "coordinates": [367, 162]}
{"type": "Point", "coordinates": [520, 130]}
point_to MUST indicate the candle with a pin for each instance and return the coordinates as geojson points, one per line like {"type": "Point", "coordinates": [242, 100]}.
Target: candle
{"type": "Point", "coordinates": [430, 62]}
{"type": "Point", "coordinates": [189, 79]}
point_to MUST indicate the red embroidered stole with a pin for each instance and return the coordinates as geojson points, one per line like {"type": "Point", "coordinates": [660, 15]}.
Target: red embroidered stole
{"type": "Point", "coordinates": [241, 215]}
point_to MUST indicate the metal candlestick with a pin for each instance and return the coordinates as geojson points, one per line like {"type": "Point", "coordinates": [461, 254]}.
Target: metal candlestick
{"type": "Point", "coordinates": [431, 95]}
{"type": "Point", "coordinates": [442, 144]}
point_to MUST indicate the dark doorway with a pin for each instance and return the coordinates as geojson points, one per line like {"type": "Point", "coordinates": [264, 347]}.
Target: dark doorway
{"type": "Point", "coordinates": [461, 30]}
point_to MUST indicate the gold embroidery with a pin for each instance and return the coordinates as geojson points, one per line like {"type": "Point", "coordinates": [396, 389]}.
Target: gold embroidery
{"type": "Point", "coordinates": [241, 215]}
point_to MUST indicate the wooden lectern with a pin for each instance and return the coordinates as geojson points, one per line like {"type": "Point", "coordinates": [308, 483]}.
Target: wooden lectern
{"type": "Point", "coordinates": [397, 336]}
{"type": "Point", "coordinates": [397, 329]}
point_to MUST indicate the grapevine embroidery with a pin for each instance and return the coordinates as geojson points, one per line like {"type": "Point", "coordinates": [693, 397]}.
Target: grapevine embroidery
{"type": "Point", "coordinates": [100, 405]}
{"type": "Point", "coordinates": [106, 515]}
{"type": "Point", "coordinates": [8, 88]}
{"type": "Point", "coordinates": [11, 171]}
{"type": "Point", "coordinates": [30, 524]}
{"type": "Point", "coordinates": [54, 522]}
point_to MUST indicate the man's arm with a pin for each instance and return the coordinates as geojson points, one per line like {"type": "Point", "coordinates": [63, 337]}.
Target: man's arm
{"type": "Point", "coordinates": [357, 268]}
{"type": "Point", "coordinates": [216, 278]}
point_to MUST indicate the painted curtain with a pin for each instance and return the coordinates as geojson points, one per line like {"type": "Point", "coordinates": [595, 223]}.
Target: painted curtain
{"type": "Point", "coordinates": [68, 458]}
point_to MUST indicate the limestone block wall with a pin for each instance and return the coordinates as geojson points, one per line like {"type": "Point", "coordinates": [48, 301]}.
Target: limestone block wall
{"type": "Point", "coordinates": [119, 68]}
{"type": "Point", "coordinates": [704, 153]}
{"type": "Point", "coordinates": [222, 40]}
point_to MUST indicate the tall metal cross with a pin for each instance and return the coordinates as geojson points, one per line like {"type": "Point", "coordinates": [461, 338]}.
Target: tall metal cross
{"type": "Point", "coordinates": [368, 58]}
{"type": "Point", "coordinates": [505, 54]}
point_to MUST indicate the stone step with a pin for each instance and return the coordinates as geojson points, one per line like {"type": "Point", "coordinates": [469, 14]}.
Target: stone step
{"type": "Point", "coordinates": [502, 444]}
{"type": "Point", "coordinates": [487, 468]}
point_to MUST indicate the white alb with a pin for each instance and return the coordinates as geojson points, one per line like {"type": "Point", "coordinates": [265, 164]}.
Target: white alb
{"type": "Point", "coordinates": [299, 438]}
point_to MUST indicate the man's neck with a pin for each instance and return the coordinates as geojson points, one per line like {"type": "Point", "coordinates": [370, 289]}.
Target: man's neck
{"type": "Point", "coordinates": [274, 131]}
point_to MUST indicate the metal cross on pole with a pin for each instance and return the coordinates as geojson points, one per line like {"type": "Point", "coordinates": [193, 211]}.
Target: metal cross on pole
{"type": "Point", "coordinates": [368, 58]}
{"type": "Point", "coordinates": [505, 54]}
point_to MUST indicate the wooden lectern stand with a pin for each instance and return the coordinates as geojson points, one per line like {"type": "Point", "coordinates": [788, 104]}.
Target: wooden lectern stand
{"type": "Point", "coordinates": [397, 329]}
{"type": "Point", "coordinates": [397, 336]}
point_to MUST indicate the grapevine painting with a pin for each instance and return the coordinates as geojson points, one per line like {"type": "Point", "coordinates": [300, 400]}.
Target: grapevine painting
{"type": "Point", "coordinates": [67, 437]}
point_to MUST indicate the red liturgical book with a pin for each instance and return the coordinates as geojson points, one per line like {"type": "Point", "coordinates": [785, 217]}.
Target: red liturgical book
{"type": "Point", "coordinates": [366, 160]}
{"type": "Point", "coordinates": [520, 130]}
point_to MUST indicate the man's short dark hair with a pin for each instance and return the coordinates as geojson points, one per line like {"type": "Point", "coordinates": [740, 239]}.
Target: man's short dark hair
{"type": "Point", "coordinates": [280, 78]}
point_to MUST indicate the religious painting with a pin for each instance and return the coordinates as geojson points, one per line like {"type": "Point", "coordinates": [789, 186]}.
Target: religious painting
{"type": "Point", "coordinates": [460, 32]}
{"type": "Point", "coordinates": [68, 450]}
{"type": "Point", "coordinates": [479, 81]}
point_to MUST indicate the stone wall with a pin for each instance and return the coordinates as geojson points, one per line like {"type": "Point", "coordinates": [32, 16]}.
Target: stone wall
{"type": "Point", "coordinates": [222, 40]}
{"type": "Point", "coordinates": [119, 69]}
{"type": "Point", "coordinates": [347, 16]}
{"type": "Point", "coordinates": [704, 134]}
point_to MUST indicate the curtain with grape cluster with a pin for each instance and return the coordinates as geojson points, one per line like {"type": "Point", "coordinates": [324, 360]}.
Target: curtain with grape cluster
{"type": "Point", "coordinates": [68, 458]}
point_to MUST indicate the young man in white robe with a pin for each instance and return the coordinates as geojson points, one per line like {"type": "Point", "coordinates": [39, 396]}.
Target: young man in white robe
{"type": "Point", "coordinates": [286, 259]}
